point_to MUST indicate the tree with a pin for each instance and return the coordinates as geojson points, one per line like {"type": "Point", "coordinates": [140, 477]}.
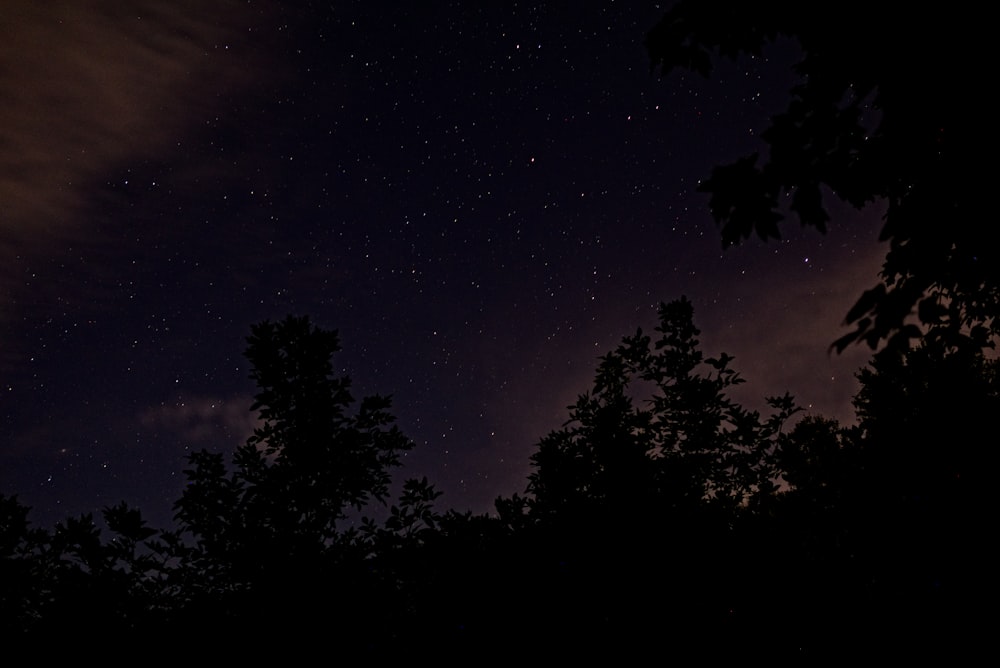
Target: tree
{"type": "Point", "coordinates": [68, 585]}
{"type": "Point", "coordinates": [925, 417]}
{"type": "Point", "coordinates": [890, 107]}
{"type": "Point", "coordinates": [686, 445]}
{"type": "Point", "coordinates": [639, 511]}
{"type": "Point", "coordinates": [266, 535]}
{"type": "Point", "coordinates": [21, 587]}
{"type": "Point", "coordinates": [264, 540]}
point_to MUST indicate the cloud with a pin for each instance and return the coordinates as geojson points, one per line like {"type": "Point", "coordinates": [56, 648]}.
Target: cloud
{"type": "Point", "coordinates": [207, 422]}
{"type": "Point", "coordinates": [89, 87]}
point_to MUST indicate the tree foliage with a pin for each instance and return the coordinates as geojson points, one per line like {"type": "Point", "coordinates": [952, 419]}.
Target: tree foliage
{"type": "Point", "coordinates": [270, 529]}
{"type": "Point", "coordinates": [639, 509]}
{"type": "Point", "coordinates": [683, 444]}
{"type": "Point", "coordinates": [662, 515]}
{"type": "Point", "coordinates": [888, 108]}
{"type": "Point", "coordinates": [310, 459]}
{"type": "Point", "coordinates": [894, 510]}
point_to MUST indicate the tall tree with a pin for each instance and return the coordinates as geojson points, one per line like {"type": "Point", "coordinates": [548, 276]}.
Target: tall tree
{"type": "Point", "coordinates": [687, 443]}
{"type": "Point", "coordinates": [266, 534]}
{"type": "Point", "coordinates": [263, 539]}
{"type": "Point", "coordinates": [640, 507]}
{"type": "Point", "coordinates": [891, 106]}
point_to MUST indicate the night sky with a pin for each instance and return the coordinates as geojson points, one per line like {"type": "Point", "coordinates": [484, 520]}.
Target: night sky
{"type": "Point", "coordinates": [482, 198]}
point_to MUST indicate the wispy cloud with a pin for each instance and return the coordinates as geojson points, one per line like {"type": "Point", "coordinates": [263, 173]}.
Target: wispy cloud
{"type": "Point", "coordinates": [200, 422]}
{"type": "Point", "coordinates": [89, 86]}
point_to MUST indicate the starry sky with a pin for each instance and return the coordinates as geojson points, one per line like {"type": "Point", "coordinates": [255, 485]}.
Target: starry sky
{"type": "Point", "coordinates": [482, 198]}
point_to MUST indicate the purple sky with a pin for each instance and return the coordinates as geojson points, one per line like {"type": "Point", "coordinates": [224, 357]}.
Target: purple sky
{"type": "Point", "coordinates": [481, 200]}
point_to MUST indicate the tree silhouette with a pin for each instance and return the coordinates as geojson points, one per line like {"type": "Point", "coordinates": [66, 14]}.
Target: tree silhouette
{"type": "Point", "coordinates": [887, 519]}
{"type": "Point", "coordinates": [662, 516]}
{"type": "Point", "coordinates": [21, 587]}
{"type": "Point", "coordinates": [266, 536]}
{"type": "Point", "coordinates": [688, 445]}
{"type": "Point", "coordinates": [887, 109]}
{"type": "Point", "coordinates": [883, 528]}
{"type": "Point", "coordinates": [664, 509]}
{"type": "Point", "coordinates": [925, 418]}
{"type": "Point", "coordinates": [640, 510]}
{"type": "Point", "coordinates": [69, 584]}
{"type": "Point", "coordinates": [278, 536]}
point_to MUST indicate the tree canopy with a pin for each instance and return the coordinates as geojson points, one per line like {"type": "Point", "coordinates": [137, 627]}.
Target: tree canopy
{"type": "Point", "coordinates": [891, 107]}
{"type": "Point", "coordinates": [658, 429]}
{"type": "Point", "coordinates": [662, 515]}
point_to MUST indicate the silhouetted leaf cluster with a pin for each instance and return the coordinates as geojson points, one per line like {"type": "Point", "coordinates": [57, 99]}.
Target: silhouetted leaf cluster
{"type": "Point", "coordinates": [685, 445]}
{"type": "Point", "coordinates": [889, 108]}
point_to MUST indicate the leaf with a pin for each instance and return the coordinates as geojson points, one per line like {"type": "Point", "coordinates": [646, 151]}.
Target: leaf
{"type": "Point", "coordinates": [867, 303]}
{"type": "Point", "coordinates": [930, 310]}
